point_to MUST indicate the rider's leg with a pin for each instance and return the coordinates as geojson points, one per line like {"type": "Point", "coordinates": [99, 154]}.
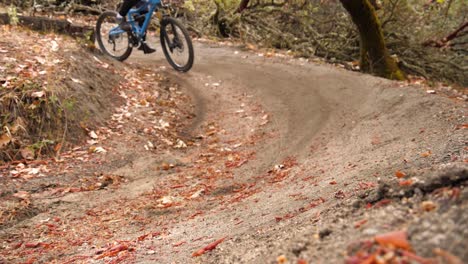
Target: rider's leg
{"type": "Point", "coordinates": [126, 6]}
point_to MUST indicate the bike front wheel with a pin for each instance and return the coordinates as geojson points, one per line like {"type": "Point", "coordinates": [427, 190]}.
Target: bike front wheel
{"type": "Point", "coordinates": [176, 44]}
{"type": "Point", "coordinates": [113, 41]}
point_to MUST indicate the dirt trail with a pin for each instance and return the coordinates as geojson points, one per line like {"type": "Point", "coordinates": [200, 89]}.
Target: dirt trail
{"type": "Point", "coordinates": [339, 126]}
{"type": "Point", "coordinates": [283, 157]}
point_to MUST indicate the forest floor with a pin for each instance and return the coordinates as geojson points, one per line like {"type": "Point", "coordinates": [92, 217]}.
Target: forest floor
{"type": "Point", "coordinates": [248, 158]}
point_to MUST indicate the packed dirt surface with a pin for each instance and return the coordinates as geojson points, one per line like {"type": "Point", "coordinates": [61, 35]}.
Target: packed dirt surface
{"type": "Point", "coordinates": [252, 158]}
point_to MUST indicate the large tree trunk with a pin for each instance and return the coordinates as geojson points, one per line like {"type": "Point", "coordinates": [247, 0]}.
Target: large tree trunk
{"type": "Point", "coordinates": [375, 57]}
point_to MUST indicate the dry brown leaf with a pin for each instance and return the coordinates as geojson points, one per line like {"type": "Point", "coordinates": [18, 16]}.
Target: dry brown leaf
{"type": "Point", "coordinates": [426, 154]}
{"type": "Point", "coordinates": [400, 174]}
{"type": "Point", "coordinates": [281, 259]}
{"type": "Point", "coordinates": [4, 140]}
{"type": "Point", "coordinates": [428, 206]}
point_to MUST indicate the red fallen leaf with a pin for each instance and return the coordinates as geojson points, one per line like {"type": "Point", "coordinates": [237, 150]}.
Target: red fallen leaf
{"type": "Point", "coordinates": [112, 251]}
{"type": "Point", "coordinates": [200, 238]}
{"type": "Point", "coordinates": [308, 178]}
{"type": "Point", "coordinates": [32, 245]}
{"type": "Point", "coordinates": [370, 260]}
{"type": "Point", "coordinates": [365, 185]}
{"type": "Point", "coordinates": [143, 237]}
{"type": "Point", "coordinates": [179, 243]}
{"type": "Point", "coordinates": [235, 164]}
{"type": "Point", "coordinates": [286, 216]}
{"type": "Point", "coordinates": [400, 174]}
{"type": "Point", "coordinates": [368, 206]}
{"type": "Point", "coordinates": [382, 203]}
{"type": "Point", "coordinates": [196, 214]}
{"type": "Point", "coordinates": [332, 182]}
{"type": "Point", "coordinates": [17, 245]}
{"type": "Point", "coordinates": [358, 224]}
{"type": "Point", "coordinates": [406, 183]}
{"type": "Point", "coordinates": [50, 226]}
{"type": "Point", "coordinates": [45, 245]}
{"type": "Point", "coordinates": [31, 260]}
{"type": "Point", "coordinates": [353, 260]}
{"type": "Point", "coordinates": [301, 261]}
{"type": "Point", "coordinates": [208, 248]}
{"type": "Point", "coordinates": [396, 239]}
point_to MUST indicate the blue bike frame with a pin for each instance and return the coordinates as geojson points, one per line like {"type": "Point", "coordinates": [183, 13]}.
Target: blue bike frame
{"type": "Point", "coordinates": [148, 5]}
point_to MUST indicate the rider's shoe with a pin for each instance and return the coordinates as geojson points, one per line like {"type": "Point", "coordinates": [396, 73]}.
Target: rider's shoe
{"type": "Point", "coordinates": [145, 48]}
{"type": "Point", "coordinates": [123, 24]}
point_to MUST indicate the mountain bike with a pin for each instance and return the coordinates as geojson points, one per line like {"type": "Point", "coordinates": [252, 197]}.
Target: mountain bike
{"type": "Point", "coordinates": [118, 43]}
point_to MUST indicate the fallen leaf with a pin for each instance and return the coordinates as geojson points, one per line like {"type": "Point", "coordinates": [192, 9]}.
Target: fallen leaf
{"type": "Point", "coordinates": [358, 224]}
{"type": "Point", "coordinates": [92, 134]}
{"type": "Point", "coordinates": [38, 94]}
{"type": "Point", "coordinates": [99, 150]}
{"type": "Point", "coordinates": [4, 140]}
{"type": "Point", "coordinates": [180, 144]}
{"type": "Point", "coordinates": [165, 166]}
{"type": "Point", "coordinates": [428, 206]}
{"type": "Point", "coordinates": [54, 45]}
{"type": "Point", "coordinates": [406, 183]}
{"type": "Point", "coordinates": [281, 259]}
{"type": "Point", "coordinates": [400, 174]}
{"type": "Point", "coordinates": [208, 248]}
{"type": "Point", "coordinates": [112, 251]}
{"type": "Point", "coordinates": [426, 154]}
{"type": "Point", "coordinates": [31, 245]}
{"type": "Point", "coordinates": [179, 243]}
{"type": "Point", "coordinates": [167, 200]}
{"type": "Point", "coordinates": [397, 239]}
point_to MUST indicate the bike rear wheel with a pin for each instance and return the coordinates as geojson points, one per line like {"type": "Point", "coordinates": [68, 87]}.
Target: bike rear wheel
{"type": "Point", "coordinates": [112, 41]}
{"type": "Point", "coordinates": [176, 44]}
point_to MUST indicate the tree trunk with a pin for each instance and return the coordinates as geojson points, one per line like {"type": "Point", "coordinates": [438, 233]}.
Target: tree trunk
{"type": "Point", "coordinates": [242, 5]}
{"type": "Point", "coordinates": [375, 57]}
